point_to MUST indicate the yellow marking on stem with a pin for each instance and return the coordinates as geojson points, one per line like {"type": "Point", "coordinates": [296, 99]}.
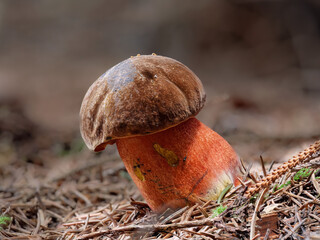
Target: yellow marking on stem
{"type": "Point", "coordinates": [170, 156]}
{"type": "Point", "coordinates": [137, 171]}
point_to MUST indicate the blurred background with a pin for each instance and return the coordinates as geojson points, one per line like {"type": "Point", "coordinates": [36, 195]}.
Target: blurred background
{"type": "Point", "coordinates": [259, 62]}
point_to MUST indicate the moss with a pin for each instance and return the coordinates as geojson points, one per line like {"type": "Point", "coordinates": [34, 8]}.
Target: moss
{"type": "Point", "coordinates": [276, 187]}
{"type": "Point", "coordinates": [218, 210]}
{"type": "Point", "coordinates": [4, 221]}
{"type": "Point", "coordinates": [302, 173]}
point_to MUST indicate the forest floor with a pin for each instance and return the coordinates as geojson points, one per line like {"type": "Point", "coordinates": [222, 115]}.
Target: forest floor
{"type": "Point", "coordinates": [52, 187]}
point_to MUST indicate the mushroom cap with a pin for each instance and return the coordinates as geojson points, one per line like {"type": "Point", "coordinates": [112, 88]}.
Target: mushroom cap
{"type": "Point", "coordinates": [141, 95]}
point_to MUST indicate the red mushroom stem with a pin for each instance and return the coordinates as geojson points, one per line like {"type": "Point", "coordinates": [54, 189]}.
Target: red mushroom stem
{"type": "Point", "coordinates": [180, 165]}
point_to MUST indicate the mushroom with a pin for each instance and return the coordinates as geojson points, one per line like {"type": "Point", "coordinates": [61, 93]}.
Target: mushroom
{"type": "Point", "coordinates": [147, 105]}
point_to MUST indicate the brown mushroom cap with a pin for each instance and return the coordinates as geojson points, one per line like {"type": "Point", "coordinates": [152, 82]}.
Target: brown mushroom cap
{"type": "Point", "coordinates": [141, 95]}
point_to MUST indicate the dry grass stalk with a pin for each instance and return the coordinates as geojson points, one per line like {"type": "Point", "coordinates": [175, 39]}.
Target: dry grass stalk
{"type": "Point", "coordinates": [313, 151]}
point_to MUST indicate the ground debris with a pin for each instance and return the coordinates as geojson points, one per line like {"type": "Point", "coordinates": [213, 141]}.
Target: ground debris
{"type": "Point", "coordinates": [81, 206]}
{"type": "Point", "coordinates": [50, 198]}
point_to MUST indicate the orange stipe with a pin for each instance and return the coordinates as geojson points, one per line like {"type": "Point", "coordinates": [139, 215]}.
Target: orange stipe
{"type": "Point", "coordinates": [176, 167]}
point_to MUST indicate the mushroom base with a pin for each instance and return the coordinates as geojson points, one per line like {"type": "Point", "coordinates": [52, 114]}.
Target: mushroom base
{"type": "Point", "coordinates": [181, 165]}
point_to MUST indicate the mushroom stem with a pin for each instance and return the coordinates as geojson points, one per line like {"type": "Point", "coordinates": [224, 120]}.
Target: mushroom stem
{"type": "Point", "coordinates": [181, 165]}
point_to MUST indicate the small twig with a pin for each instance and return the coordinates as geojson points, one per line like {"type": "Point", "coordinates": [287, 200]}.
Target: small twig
{"type": "Point", "coordinates": [19, 229]}
{"type": "Point", "coordinates": [253, 178]}
{"type": "Point", "coordinates": [254, 216]}
{"type": "Point", "coordinates": [210, 235]}
{"type": "Point", "coordinates": [263, 166]}
{"type": "Point", "coordinates": [83, 197]}
{"type": "Point", "coordinates": [309, 195]}
{"type": "Point", "coordinates": [173, 215]}
{"type": "Point", "coordinates": [266, 236]}
{"type": "Point", "coordinates": [256, 236]}
{"type": "Point", "coordinates": [294, 229]}
{"type": "Point", "coordinates": [187, 214]}
{"type": "Point", "coordinates": [41, 205]}
{"type": "Point", "coordinates": [23, 219]}
{"type": "Point", "coordinates": [86, 222]}
{"type": "Point", "coordinates": [315, 217]}
{"type": "Point", "coordinates": [81, 222]}
{"type": "Point", "coordinates": [315, 184]}
{"type": "Point", "coordinates": [93, 234]}
{"type": "Point", "coordinates": [111, 219]}
{"type": "Point", "coordinates": [246, 174]}
{"type": "Point", "coordinates": [37, 228]}
{"type": "Point", "coordinates": [204, 213]}
{"type": "Point", "coordinates": [296, 196]}
{"type": "Point", "coordinates": [241, 182]}
{"type": "Point", "coordinates": [271, 166]}
{"type": "Point", "coordinates": [166, 227]}
{"type": "Point", "coordinates": [151, 228]}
